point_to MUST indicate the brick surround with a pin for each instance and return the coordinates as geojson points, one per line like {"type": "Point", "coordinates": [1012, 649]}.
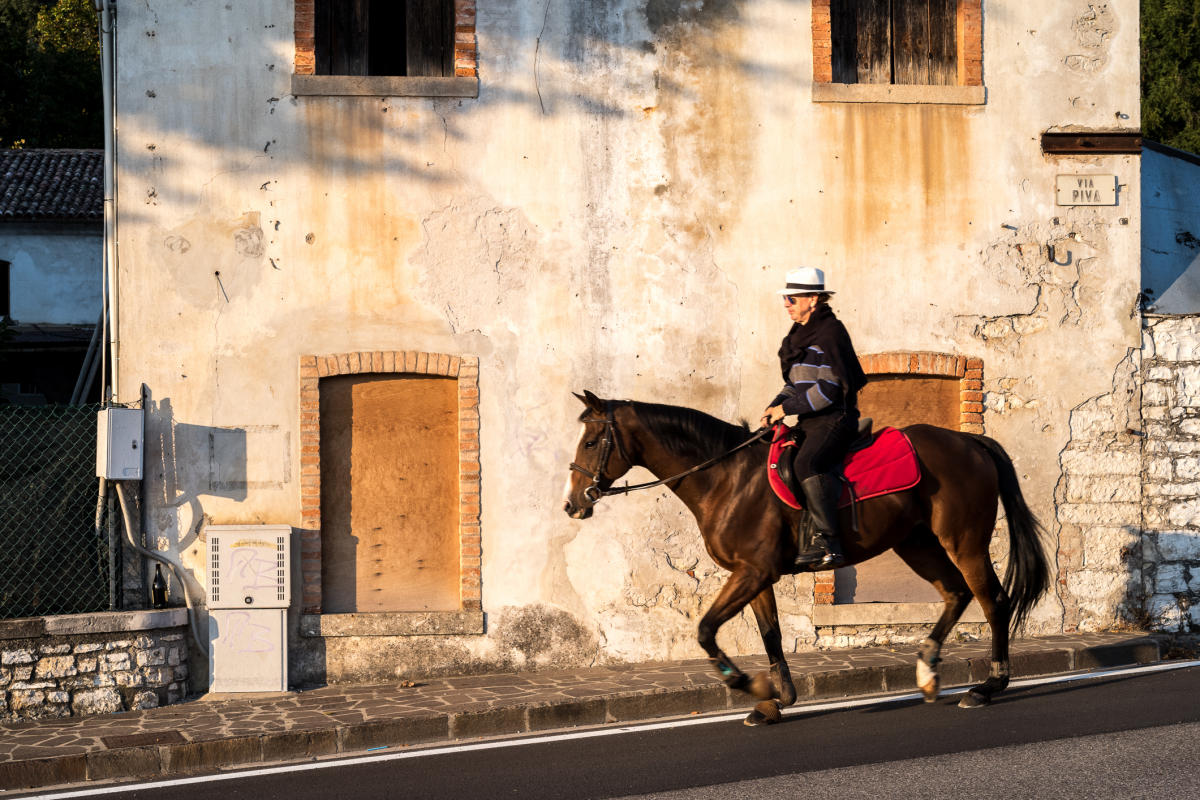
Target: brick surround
{"type": "Point", "coordinates": [969, 30]}
{"type": "Point", "coordinates": [466, 370]}
{"type": "Point", "coordinates": [466, 55]}
{"type": "Point", "coordinates": [969, 372]}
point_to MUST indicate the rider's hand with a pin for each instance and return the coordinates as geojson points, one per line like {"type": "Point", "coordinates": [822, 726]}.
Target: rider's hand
{"type": "Point", "coordinates": [772, 415]}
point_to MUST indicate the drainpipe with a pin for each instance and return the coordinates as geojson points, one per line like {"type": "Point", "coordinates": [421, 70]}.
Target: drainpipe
{"type": "Point", "coordinates": [106, 90]}
{"type": "Point", "coordinates": [107, 11]}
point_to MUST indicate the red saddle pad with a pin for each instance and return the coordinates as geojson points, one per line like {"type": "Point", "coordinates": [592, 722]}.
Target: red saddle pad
{"type": "Point", "coordinates": [886, 465]}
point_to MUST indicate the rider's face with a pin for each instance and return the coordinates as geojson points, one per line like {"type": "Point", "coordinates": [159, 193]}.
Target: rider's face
{"type": "Point", "coordinates": [800, 307]}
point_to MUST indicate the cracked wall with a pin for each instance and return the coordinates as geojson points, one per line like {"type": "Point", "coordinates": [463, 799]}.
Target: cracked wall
{"type": "Point", "coordinates": [1098, 506]}
{"type": "Point", "coordinates": [613, 212]}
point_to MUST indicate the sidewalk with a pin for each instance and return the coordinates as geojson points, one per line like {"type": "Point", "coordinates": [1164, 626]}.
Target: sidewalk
{"type": "Point", "coordinates": [232, 730]}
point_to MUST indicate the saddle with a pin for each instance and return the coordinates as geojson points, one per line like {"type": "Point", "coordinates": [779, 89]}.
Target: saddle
{"type": "Point", "coordinates": [876, 463]}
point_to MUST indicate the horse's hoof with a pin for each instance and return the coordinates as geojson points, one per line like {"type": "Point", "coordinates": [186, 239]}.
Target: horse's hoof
{"type": "Point", "coordinates": [762, 687]}
{"type": "Point", "coordinates": [974, 700]}
{"type": "Point", "coordinates": [764, 713]}
{"type": "Point", "coordinates": [928, 681]}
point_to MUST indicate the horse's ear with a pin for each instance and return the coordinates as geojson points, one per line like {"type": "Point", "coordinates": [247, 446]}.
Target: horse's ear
{"type": "Point", "coordinates": [590, 400]}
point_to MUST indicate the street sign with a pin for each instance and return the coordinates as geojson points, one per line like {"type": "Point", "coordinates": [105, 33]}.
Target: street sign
{"type": "Point", "coordinates": [1086, 190]}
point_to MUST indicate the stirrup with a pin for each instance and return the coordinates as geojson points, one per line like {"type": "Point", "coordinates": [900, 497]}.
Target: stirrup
{"type": "Point", "coordinates": [822, 552]}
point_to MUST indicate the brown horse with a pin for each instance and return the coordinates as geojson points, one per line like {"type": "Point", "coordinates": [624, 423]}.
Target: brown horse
{"type": "Point", "coordinates": [941, 528]}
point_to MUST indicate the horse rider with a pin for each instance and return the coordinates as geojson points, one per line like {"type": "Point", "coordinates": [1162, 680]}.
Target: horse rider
{"type": "Point", "coordinates": [822, 378]}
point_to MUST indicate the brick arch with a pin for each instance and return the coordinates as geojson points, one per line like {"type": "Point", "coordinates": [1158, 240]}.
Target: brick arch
{"type": "Point", "coordinates": [465, 369]}
{"type": "Point", "coordinates": [969, 372]}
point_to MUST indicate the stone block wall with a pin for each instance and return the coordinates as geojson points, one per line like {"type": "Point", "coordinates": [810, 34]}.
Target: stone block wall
{"type": "Point", "coordinates": [83, 664]}
{"type": "Point", "coordinates": [1171, 474]}
{"type": "Point", "coordinates": [1098, 508]}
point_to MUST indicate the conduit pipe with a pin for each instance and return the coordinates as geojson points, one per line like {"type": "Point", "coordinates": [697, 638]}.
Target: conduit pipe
{"type": "Point", "coordinates": [111, 295]}
{"type": "Point", "coordinates": [88, 370]}
{"type": "Point", "coordinates": [112, 557]}
{"type": "Point", "coordinates": [127, 516]}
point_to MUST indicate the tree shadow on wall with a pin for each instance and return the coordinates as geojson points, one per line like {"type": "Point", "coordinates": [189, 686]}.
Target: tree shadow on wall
{"type": "Point", "coordinates": [542, 60]}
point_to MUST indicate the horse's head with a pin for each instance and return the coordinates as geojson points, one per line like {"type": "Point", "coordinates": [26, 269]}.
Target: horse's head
{"type": "Point", "coordinates": [600, 457]}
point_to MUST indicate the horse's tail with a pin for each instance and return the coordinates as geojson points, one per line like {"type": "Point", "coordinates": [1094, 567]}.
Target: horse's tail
{"type": "Point", "coordinates": [1028, 574]}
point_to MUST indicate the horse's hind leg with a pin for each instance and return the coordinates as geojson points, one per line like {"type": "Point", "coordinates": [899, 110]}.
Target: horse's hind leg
{"type": "Point", "coordinates": [925, 555]}
{"type": "Point", "coordinates": [768, 625]}
{"type": "Point", "coordinates": [775, 689]}
{"type": "Point", "coordinates": [985, 585]}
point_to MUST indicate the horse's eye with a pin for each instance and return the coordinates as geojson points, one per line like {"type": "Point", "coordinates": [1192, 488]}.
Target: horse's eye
{"type": "Point", "coordinates": [590, 445]}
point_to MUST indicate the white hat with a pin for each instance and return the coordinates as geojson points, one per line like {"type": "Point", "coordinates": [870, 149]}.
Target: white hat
{"type": "Point", "coordinates": [806, 280]}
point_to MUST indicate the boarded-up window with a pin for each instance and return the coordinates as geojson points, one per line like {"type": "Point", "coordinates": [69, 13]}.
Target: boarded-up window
{"type": "Point", "coordinates": [385, 37]}
{"type": "Point", "coordinates": [389, 493]}
{"type": "Point", "coordinates": [894, 41]}
{"type": "Point", "coordinates": [898, 400]}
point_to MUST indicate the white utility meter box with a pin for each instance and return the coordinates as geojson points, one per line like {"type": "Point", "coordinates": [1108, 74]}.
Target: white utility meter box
{"type": "Point", "coordinates": [119, 438]}
{"type": "Point", "coordinates": [249, 591]}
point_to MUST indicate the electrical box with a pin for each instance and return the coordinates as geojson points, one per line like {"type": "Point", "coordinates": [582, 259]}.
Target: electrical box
{"type": "Point", "coordinates": [119, 438]}
{"type": "Point", "coordinates": [248, 566]}
{"type": "Point", "coordinates": [249, 591]}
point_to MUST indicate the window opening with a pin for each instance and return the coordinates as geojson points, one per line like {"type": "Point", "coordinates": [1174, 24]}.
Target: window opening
{"type": "Point", "coordinates": [5, 290]}
{"type": "Point", "coordinates": [912, 42]}
{"type": "Point", "coordinates": [385, 37]}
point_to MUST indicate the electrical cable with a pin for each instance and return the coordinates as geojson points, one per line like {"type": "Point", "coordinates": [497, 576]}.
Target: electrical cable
{"type": "Point", "coordinates": [128, 518]}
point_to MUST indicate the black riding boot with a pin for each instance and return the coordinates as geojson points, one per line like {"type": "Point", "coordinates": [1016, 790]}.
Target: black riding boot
{"type": "Point", "coordinates": [821, 498]}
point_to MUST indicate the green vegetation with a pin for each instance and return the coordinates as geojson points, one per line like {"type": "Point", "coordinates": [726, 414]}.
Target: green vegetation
{"type": "Point", "coordinates": [49, 74]}
{"type": "Point", "coordinates": [1171, 72]}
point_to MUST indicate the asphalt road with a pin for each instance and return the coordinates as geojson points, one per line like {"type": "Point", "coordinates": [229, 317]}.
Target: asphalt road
{"type": "Point", "coordinates": [1117, 736]}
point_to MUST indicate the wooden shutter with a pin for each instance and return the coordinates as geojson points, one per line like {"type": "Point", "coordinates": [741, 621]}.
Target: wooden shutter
{"type": "Point", "coordinates": [349, 20]}
{"type": "Point", "coordinates": [894, 41]}
{"type": "Point", "coordinates": [874, 47]}
{"type": "Point", "coordinates": [924, 42]}
{"type": "Point", "coordinates": [429, 37]}
{"type": "Point", "coordinates": [843, 40]}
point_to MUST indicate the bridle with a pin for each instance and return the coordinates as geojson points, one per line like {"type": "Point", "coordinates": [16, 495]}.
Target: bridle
{"type": "Point", "coordinates": [596, 490]}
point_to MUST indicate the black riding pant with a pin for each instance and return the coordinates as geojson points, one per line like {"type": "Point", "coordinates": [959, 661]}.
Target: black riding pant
{"type": "Point", "coordinates": [822, 441]}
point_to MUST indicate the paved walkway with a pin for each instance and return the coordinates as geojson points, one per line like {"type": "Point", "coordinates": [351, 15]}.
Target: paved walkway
{"type": "Point", "coordinates": [215, 732]}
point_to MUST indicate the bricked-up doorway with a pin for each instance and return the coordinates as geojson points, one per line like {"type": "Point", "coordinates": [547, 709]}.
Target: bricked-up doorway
{"type": "Point", "coordinates": [389, 493]}
{"type": "Point", "coordinates": [906, 389]}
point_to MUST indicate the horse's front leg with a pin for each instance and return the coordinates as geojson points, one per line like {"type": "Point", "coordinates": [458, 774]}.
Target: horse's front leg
{"type": "Point", "coordinates": [743, 585]}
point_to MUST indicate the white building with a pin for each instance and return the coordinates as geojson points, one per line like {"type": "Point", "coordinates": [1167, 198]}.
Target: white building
{"type": "Point", "coordinates": [51, 207]}
{"type": "Point", "coordinates": [360, 299]}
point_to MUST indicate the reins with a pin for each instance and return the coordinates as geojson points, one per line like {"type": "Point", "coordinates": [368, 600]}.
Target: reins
{"type": "Point", "coordinates": [595, 491]}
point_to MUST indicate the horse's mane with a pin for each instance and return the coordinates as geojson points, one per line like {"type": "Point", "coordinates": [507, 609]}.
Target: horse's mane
{"type": "Point", "coordinates": [689, 433]}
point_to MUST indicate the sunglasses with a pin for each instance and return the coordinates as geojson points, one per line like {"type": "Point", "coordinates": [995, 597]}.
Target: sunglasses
{"type": "Point", "coordinates": [790, 299]}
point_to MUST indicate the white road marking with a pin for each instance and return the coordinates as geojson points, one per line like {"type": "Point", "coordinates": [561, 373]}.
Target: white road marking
{"type": "Point", "coordinates": [495, 744]}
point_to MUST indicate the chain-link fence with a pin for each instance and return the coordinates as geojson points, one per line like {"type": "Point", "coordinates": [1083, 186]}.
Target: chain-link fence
{"type": "Point", "coordinates": [51, 559]}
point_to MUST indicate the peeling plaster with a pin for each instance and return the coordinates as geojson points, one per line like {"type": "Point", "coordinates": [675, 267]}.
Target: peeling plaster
{"type": "Point", "coordinates": [1094, 30]}
{"type": "Point", "coordinates": [1043, 263]}
{"type": "Point", "coordinates": [1004, 395]}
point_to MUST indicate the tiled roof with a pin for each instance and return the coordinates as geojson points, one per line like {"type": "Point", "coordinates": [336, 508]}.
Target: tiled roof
{"type": "Point", "coordinates": [51, 184]}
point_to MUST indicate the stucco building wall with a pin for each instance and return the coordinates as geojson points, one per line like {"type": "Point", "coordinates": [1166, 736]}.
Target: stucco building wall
{"type": "Point", "coordinates": [613, 212]}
